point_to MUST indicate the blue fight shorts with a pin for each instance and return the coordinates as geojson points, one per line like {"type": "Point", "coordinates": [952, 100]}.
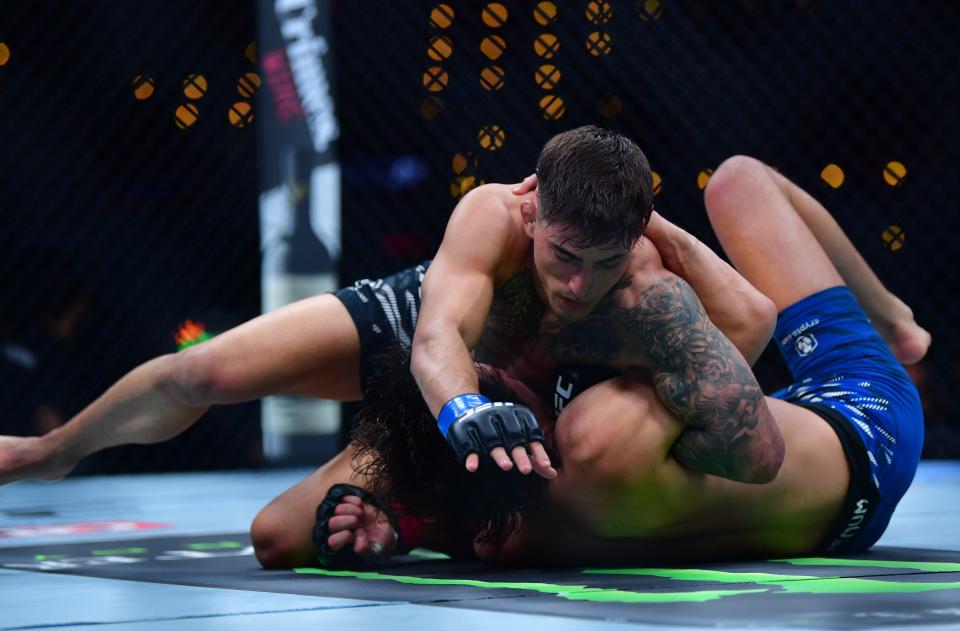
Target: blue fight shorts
{"type": "Point", "coordinates": [845, 372]}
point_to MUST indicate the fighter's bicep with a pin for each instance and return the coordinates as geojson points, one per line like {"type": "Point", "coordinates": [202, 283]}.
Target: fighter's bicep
{"type": "Point", "coordinates": [454, 295]}
{"type": "Point", "coordinates": [459, 285]}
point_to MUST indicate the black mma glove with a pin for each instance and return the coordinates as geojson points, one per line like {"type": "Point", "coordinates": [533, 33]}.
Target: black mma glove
{"type": "Point", "coordinates": [472, 423]}
{"type": "Point", "coordinates": [345, 556]}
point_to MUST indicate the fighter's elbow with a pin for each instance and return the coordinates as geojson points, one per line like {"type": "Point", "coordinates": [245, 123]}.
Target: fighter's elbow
{"type": "Point", "coordinates": [767, 464]}
{"type": "Point", "coordinates": [762, 313]}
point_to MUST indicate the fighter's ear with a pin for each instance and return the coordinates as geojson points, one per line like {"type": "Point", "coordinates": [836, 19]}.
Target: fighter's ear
{"type": "Point", "coordinates": [529, 212]}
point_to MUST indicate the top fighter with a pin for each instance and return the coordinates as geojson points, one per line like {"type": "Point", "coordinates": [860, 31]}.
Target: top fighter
{"type": "Point", "coordinates": [522, 293]}
{"type": "Point", "coordinates": [546, 259]}
{"type": "Point", "coordinates": [852, 423]}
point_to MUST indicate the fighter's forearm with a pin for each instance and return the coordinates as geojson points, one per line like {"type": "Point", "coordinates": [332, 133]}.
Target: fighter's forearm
{"type": "Point", "coordinates": [442, 366]}
{"type": "Point", "coordinates": [744, 315]}
{"type": "Point", "coordinates": [701, 378]}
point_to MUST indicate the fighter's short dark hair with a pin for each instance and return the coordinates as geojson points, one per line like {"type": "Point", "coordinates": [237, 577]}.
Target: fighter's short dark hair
{"type": "Point", "coordinates": [596, 182]}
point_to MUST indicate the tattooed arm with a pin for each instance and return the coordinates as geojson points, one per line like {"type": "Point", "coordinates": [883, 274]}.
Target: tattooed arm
{"type": "Point", "coordinates": [705, 381]}
{"type": "Point", "coordinates": [740, 310]}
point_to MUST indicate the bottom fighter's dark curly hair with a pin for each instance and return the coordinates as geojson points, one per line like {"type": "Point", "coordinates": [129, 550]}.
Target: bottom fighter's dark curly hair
{"type": "Point", "coordinates": [407, 461]}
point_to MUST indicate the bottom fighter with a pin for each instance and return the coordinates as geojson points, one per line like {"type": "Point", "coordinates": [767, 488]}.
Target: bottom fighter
{"type": "Point", "coordinates": [851, 422]}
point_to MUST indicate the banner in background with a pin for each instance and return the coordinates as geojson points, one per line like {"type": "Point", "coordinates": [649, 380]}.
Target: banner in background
{"type": "Point", "coordinates": [299, 200]}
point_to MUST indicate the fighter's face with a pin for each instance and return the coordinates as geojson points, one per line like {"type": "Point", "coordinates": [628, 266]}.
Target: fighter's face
{"type": "Point", "coordinates": [573, 280]}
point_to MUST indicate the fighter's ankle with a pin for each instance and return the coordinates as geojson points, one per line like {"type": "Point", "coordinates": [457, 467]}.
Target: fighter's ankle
{"type": "Point", "coordinates": [52, 455]}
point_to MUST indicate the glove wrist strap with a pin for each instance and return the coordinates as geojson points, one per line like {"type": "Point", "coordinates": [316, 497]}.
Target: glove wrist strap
{"type": "Point", "coordinates": [456, 407]}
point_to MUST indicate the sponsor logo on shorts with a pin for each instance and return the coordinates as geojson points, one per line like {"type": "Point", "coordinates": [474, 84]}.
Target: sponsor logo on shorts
{"type": "Point", "coordinates": [853, 526]}
{"type": "Point", "coordinates": [800, 329]}
{"type": "Point", "coordinates": [806, 344]}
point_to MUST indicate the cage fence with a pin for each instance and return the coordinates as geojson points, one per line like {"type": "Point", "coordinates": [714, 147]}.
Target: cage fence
{"type": "Point", "coordinates": [132, 167]}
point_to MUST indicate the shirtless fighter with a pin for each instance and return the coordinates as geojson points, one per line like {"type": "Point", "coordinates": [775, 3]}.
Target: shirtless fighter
{"type": "Point", "coordinates": [851, 421]}
{"type": "Point", "coordinates": [510, 267]}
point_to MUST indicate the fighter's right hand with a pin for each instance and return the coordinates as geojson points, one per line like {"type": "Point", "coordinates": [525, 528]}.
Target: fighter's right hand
{"type": "Point", "coordinates": [528, 184]}
{"type": "Point", "coordinates": [474, 425]}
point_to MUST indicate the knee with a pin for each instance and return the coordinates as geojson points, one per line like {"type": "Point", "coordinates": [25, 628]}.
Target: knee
{"type": "Point", "coordinates": [194, 377]}
{"type": "Point", "coordinates": [763, 311]}
{"type": "Point", "coordinates": [731, 185]}
{"type": "Point", "coordinates": [276, 545]}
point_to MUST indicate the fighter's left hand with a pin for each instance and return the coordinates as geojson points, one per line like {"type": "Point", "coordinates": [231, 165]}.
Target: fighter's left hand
{"type": "Point", "coordinates": [364, 527]}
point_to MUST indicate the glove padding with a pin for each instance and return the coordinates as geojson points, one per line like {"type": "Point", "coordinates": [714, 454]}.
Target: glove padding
{"type": "Point", "coordinates": [491, 425]}
{"type": "Point", "coordinates": [345, 556]}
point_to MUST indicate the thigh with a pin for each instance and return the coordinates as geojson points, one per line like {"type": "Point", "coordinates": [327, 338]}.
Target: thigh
{"type": "Point", "coordinates": [308, 348]}
{"type": "Point", "coordinates": [762, 234]}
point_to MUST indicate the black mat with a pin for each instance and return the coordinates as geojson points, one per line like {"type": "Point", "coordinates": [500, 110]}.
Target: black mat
{"type": "Point", "coordinates": [888, 586]}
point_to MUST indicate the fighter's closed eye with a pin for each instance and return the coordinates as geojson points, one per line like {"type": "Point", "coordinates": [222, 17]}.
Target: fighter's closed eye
{"type": "Point", "coordinates": [564, 256]}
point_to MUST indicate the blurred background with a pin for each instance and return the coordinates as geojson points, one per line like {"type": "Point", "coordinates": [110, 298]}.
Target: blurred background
{"type": "Point", "coordinates": [171, 169]}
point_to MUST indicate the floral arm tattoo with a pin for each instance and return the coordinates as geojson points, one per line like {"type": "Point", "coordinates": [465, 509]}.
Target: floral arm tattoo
{"type": "Point", "coordinates": [701, 377]}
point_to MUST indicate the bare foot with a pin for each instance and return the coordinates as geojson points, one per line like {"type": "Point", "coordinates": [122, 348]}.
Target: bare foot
{"type": "Point", "coordinates": [908, 341]}
{"type": "Point", "coordinates": [28, 458]}
{"type": "Point", "coordinates": [894, 320]}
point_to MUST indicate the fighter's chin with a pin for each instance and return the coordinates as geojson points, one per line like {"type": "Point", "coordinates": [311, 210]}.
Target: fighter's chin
{"type": "Point", "coordinates": [570, 314]}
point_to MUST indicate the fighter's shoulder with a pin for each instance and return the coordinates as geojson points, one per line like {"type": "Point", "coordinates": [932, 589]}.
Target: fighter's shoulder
{"type": "Point", "coordinates": [490, 210]}
{"type": "Point", "coordinates": [493, 202]}
{"type": "Point", "coordinates": [484, 229]}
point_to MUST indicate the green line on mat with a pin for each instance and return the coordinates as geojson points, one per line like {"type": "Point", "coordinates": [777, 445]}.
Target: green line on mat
{"type": "Point", "coordinates": [117, 552]}
{"type": "Point", "coordinates": [789, 583]}
{"type": "Point", "coordinates": [570, 592]}
{"type": "Point", "coordinates": [49, 557]}
{"type": "Point", "coordinates": [923, 566]}
{"type": "Point", "coordinates": [423, 553]}
{"type": "Point", "coordinates": [215, 545]}
{"type": "Point", "coordinates": [711, 576]}
{"type": "Point", "coordinates": [765, 582]}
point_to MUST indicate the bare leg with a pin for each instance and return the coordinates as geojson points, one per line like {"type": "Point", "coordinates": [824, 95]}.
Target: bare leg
{"type": "Point", "coordinates": [789, 246]}
{"type": "Point", "coordinates": [890, 315]}
{"type": "Point", "coordinates": [309, 348]}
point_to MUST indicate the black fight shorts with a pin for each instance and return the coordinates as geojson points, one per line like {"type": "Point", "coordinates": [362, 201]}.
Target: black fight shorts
{"type": "Point", "coordinates": [385, 312]}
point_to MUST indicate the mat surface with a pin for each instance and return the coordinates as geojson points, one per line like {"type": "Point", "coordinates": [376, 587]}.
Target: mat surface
{"type": "Point", "coordinates": [171, 552]}
{"type": "Point", "coordinates": [885, 586]}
